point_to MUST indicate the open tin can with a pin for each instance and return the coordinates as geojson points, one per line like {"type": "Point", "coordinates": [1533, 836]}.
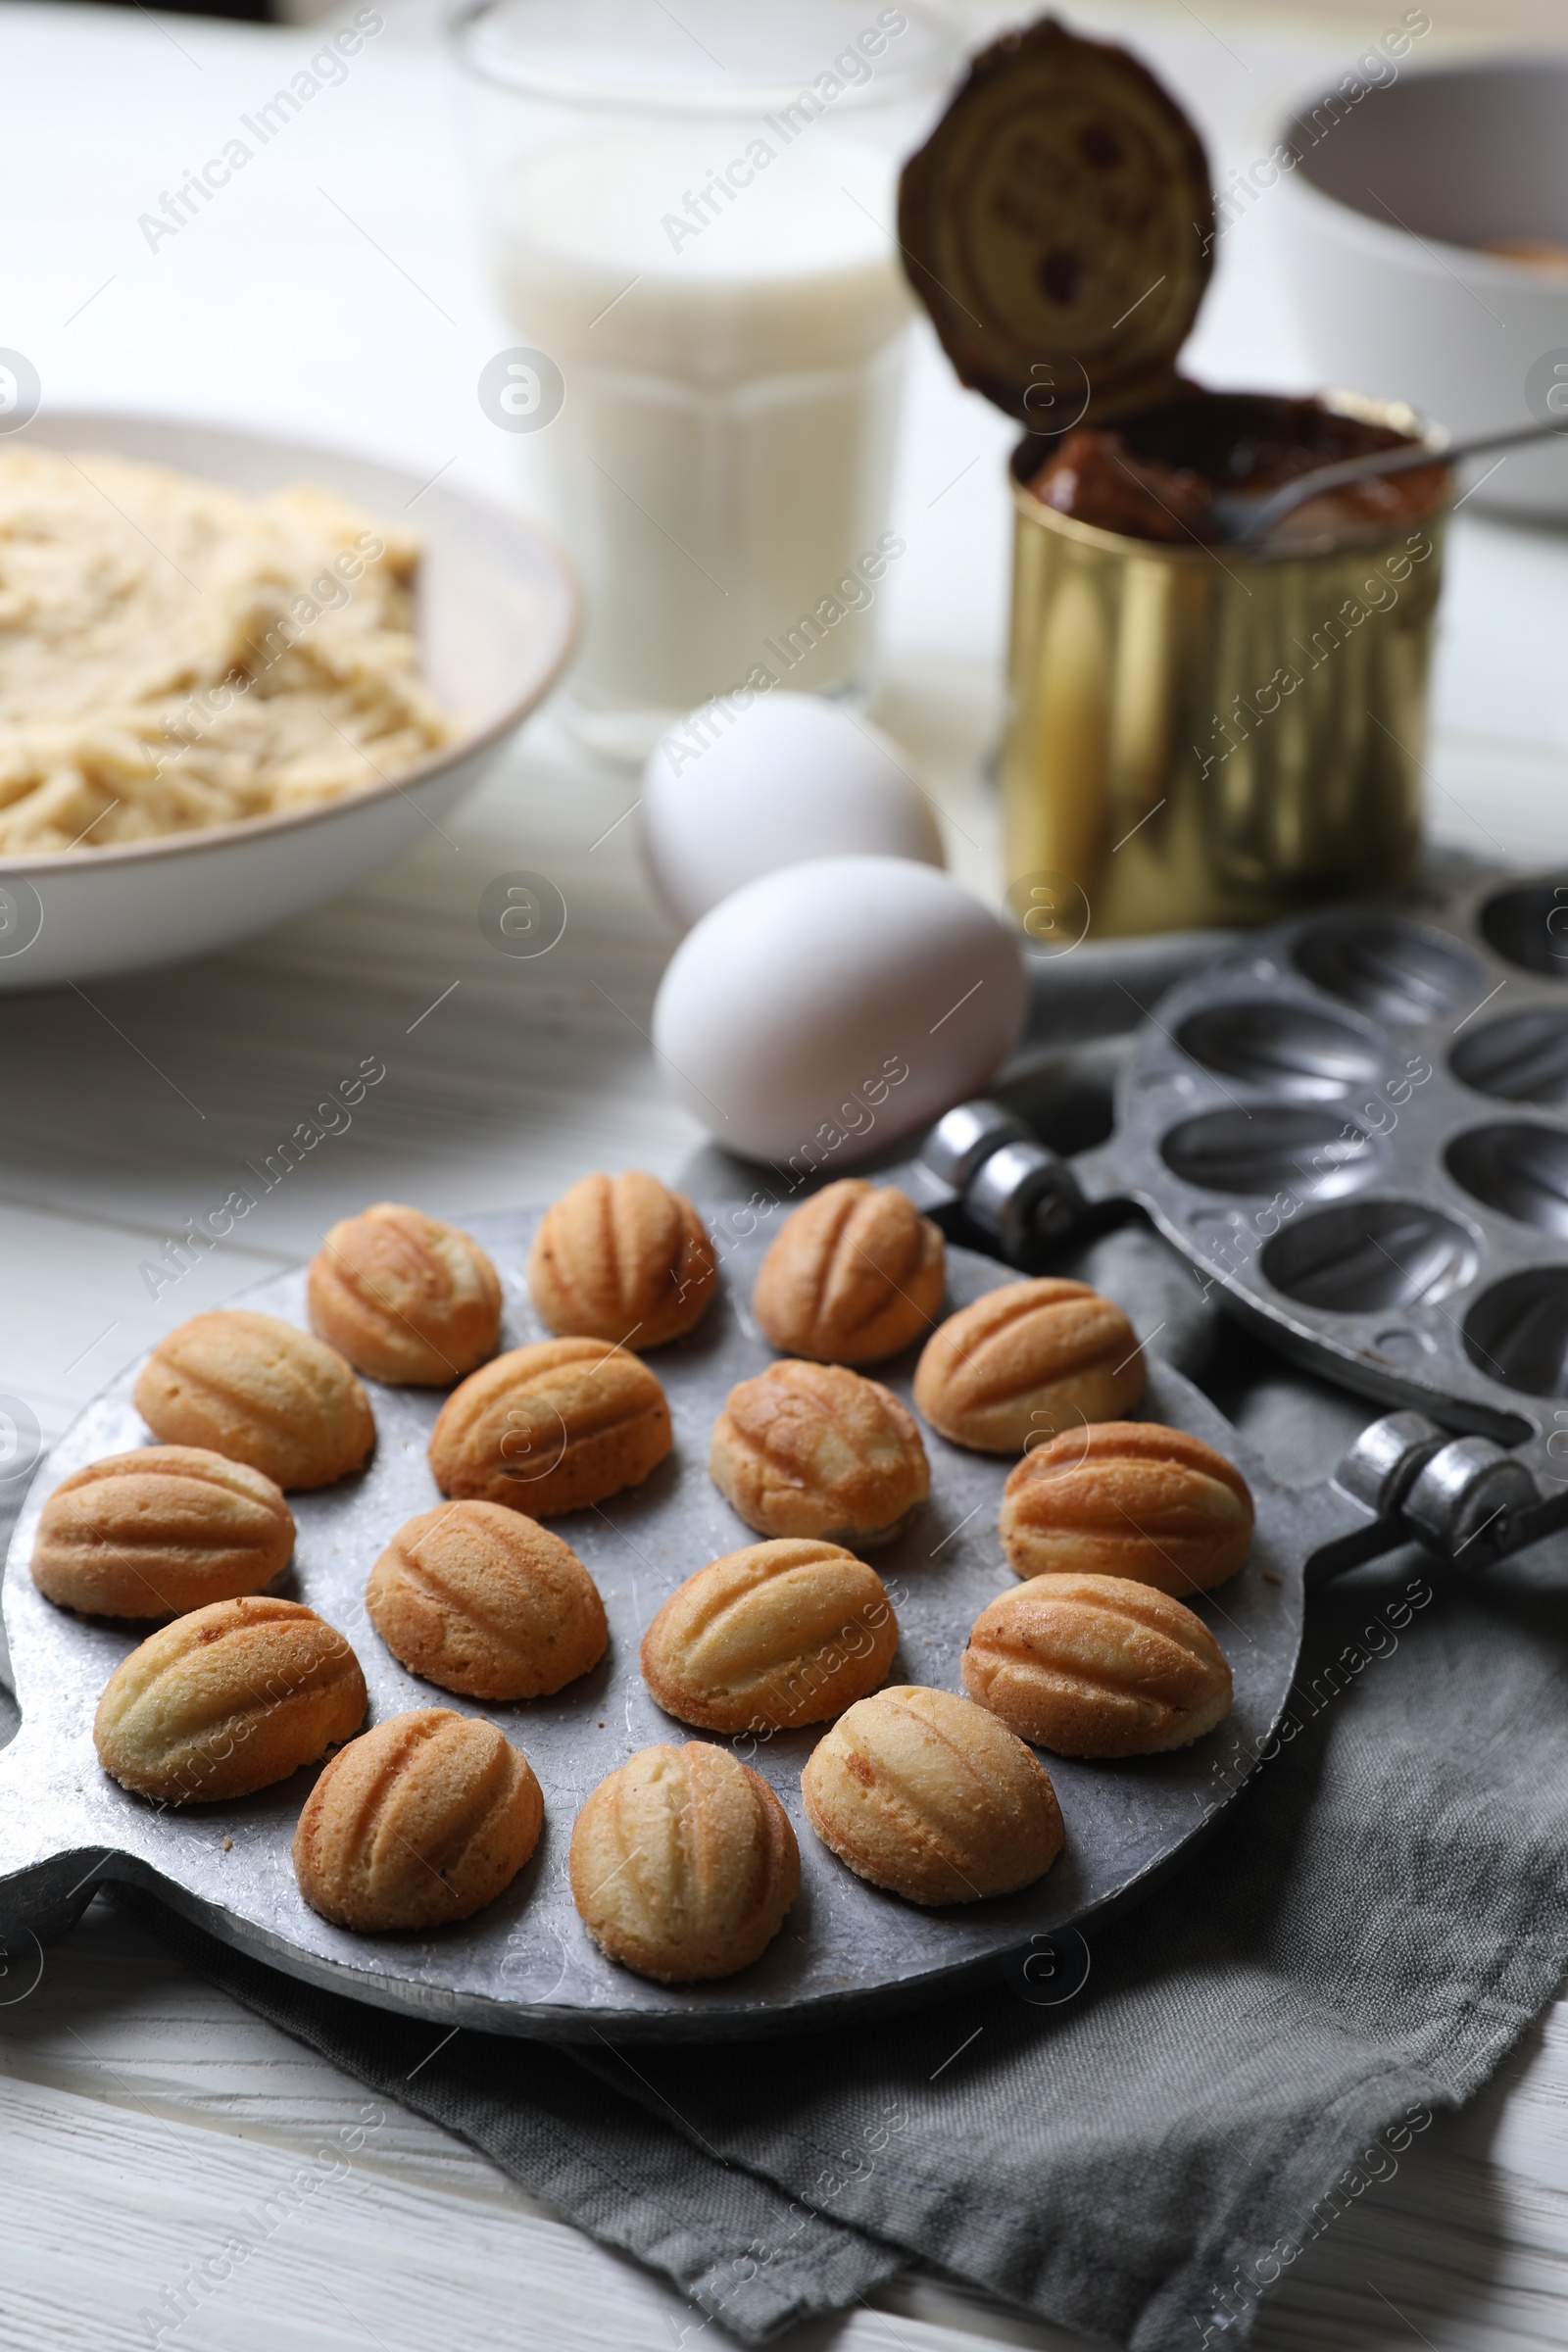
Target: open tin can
{"type": "Point", "coordinates": [1196, 734]}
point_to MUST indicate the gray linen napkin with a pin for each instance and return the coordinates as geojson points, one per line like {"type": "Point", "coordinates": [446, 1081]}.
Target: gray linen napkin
{"type": "Point", "coordinates": [1375, 1920]}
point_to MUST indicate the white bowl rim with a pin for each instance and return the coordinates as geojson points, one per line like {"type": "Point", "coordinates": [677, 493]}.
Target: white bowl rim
{"type": "Point", "coordinates": [1438, 251]}
{"type": "Point", "coordinates": [1433, 256]}
{"type": "Point", "coordinates": [25, 866]}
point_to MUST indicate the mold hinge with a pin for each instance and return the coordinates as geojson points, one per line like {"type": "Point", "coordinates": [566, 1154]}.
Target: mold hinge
{"type": "Point", "coordinates": [1009, 1184]}
{"type": "Point", "coordinates": [1468, 1500]}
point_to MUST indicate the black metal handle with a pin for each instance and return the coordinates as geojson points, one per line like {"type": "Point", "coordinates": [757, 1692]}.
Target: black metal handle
{"type": "Point", "coordinates": [43, 1899]}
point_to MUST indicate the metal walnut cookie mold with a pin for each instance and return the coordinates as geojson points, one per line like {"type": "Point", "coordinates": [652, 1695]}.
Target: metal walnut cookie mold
{"type": "Point", "coordinates": [524, 1964]}
{"type": "Point", "coordinates": [1354, 1125]}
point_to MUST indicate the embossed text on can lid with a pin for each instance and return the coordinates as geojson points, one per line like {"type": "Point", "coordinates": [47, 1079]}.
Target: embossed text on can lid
{"type": "Point", "coordinates": [1058, 226]}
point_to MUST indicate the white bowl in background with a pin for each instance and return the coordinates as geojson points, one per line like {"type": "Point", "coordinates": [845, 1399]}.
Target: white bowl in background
{"type": "Point", "coordinates": [497, 619]}
{"type": "Point", "coordinates": [1381, 215]}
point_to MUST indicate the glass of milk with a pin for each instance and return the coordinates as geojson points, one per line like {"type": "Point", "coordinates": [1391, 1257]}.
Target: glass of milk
{"type": "Point", "coordinates": [691, 210]}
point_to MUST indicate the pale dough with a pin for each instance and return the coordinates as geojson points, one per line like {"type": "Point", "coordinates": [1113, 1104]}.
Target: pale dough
{"type": "Point", "coordinates": [174, 655]}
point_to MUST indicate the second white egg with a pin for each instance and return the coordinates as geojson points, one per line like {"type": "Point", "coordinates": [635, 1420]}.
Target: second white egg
{"type": "Point", "coordinates": [730, 793]}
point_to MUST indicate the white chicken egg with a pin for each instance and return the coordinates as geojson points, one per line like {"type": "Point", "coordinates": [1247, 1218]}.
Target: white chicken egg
{"type": "Point", "coordinates": [732, 794]}
{"type": "Point", "coordinates": [827, 1010]}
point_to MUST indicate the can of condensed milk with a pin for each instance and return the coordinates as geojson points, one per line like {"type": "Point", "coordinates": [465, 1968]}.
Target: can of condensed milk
{"type": "Point", "coordinates": [1198, 734]}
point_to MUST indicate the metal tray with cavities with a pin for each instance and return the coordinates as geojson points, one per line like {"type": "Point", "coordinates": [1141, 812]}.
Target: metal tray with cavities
{"type": "Point", "coordinates": [525, 1964]}
{"type": "Point", "coordinates": [1355, 1124]}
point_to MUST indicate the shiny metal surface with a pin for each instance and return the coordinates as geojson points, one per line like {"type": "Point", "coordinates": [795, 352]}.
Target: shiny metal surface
{"type": "Point", "coordinates": [526, 1965]}
{"type": "Point", "coordinates": [1386, 1458]}
{"type": "Point", "coordinates": [1022, 1191]}
{"type": "Point", "coordinates": [1249, 520]}
{"type": "Point", "coordinates": [1469, 1498]}
{"type": "Point", "coordinates": [1353, 1126]}
{"type": "Point", "coordinates": [1206, 736]}
{"type": "Point", "coordinates": [968, 1136]}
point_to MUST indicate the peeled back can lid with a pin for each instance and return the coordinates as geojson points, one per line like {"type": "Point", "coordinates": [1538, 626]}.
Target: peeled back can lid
{"type": "Point", "coordinates": [1058, 225]}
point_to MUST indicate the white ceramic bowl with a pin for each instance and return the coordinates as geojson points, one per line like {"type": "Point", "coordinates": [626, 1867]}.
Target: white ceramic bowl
{"type": "Point", "coordinates": [497, 619]}
{"type": "Point", "coordinates": [1382, 216]}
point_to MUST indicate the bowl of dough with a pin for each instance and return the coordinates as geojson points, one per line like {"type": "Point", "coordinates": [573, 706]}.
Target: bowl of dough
{"type": "Point", "coordinates": [238, 674]}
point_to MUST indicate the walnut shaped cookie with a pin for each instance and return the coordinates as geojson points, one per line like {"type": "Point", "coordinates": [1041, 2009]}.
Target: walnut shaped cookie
{"type": "Point", "coordinates": [623, 1259]}
{"type": "Point", "coordinates": [855, 1275]}
{"type": "Point", "coordinates": [260, 1391]}
{"type": "Point", "coordinates": [409, 1301]}
{"type": "Point", "coordinates": [1025, 1361]}
{"type": "Point", "coordinates": [816, 1450]}
{"type": "Point", "coordinates": [1128, 1498]}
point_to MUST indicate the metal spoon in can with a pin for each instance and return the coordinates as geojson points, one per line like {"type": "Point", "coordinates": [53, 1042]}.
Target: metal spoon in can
{"type": "Point", "coordinates": [1248, 519]}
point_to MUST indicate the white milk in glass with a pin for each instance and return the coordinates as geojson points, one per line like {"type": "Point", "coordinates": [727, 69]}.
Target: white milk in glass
{"type": "Point", "coordinates": [733, 350]}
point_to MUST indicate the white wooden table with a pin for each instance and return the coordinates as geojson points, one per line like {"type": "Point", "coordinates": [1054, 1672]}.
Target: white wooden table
{"type": "Point", "coordinates": [334, 291]}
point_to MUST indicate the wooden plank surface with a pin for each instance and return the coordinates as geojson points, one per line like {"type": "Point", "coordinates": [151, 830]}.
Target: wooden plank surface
{"type": "Point", "coordinates": [141, 2114]}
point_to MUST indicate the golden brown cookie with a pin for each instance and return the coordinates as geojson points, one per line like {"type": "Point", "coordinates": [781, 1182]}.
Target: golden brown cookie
{"type": "Point", "coordinates": [260, 1391]}
{"type": "Point", "coordinates": [623, 1259]}
{"type": "Point", "coordinates": [1026, 1360]}
{"type": "Point", "coordinates": [227, 1700]}
{"type": "Point", "coordinates": [815, 1450]}
{"type": "Point", "coordinates": [1097, 1666]}
{"type": "Point", "coordinates": [551, 1427]}
{"type": "Point", "coordinates": [408, 1300]}
{"type": "Point", "coordinates": [931, 1796]}
{"type": "Point", "coordinates": [856, 1274]}
{"type": "Point", "coordinates": [482, 1600]}
{"type": "Point", "coordinates": [155, 1533]}
{"type": "Point", "coordinates": [683, 1864]}
{"type": "Point", "coordinates": [426, 1819]}
{"type": "Point", "coordinates": [1128, 1498]}
{"type": "Point", "coordinates": [771, 1638]}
